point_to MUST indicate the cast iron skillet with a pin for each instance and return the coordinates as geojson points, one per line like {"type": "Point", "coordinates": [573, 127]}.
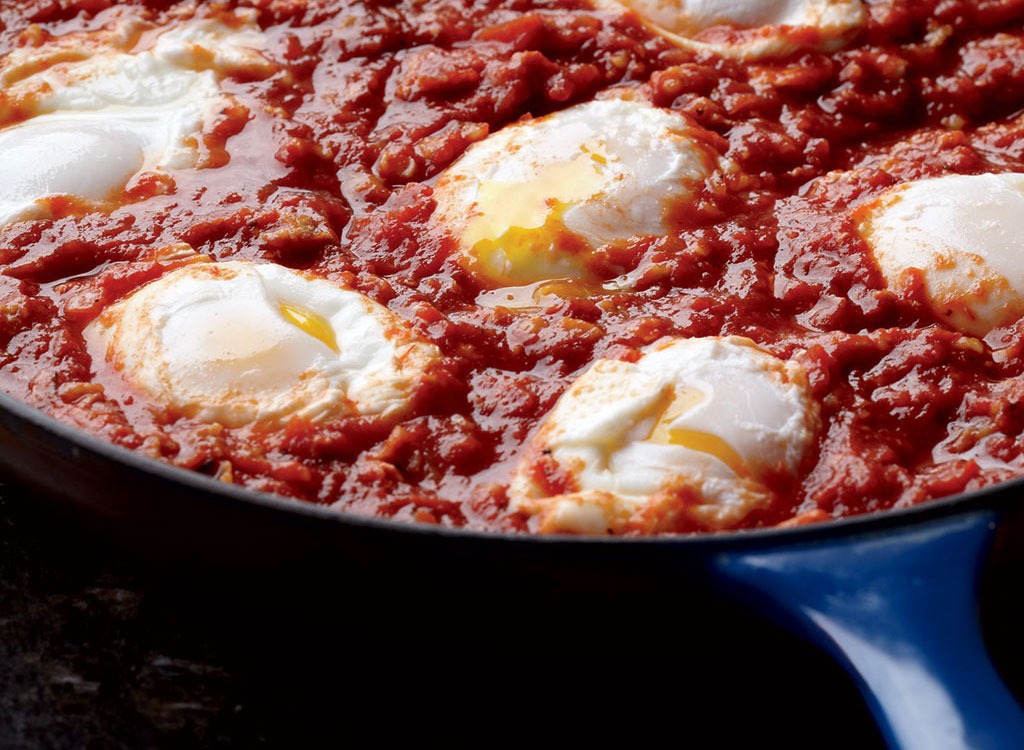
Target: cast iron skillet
{"type": "Point", "coordinates": [892, 597]}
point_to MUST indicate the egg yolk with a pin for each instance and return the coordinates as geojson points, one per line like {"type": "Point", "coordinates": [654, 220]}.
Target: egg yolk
{"type": "Point", "coordinates": [520, 235]}
{"type": "Point", "coordinates": [684, 399]}
{"type": "Point", "coordinates": [311, 324]}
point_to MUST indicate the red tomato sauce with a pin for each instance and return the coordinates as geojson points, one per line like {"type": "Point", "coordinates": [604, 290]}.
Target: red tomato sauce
{"type": "Point", "coordinates": [326, 166]}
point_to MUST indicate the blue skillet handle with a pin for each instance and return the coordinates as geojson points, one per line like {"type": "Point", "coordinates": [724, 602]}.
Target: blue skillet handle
{"type": "Point", "coordinates": [899, 608]}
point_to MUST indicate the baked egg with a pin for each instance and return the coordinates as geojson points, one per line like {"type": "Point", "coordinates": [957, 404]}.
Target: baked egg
{"type": "Point", "coordinates": [531, 202]}
{"type": "Point", "coordinates": [85, 127]}
{"type": "Point", "coordinates": [961, 234]}
{"type": "Point", "coordinates": [239, 342]}
{"type": "Point", "coordinates": [687, 434]}
{"type": "Point", "coordinates": [751, 29]}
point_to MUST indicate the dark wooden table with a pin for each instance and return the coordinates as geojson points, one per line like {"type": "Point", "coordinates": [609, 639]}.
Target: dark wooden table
{"type": "Point", "coordinates": [100, 650]}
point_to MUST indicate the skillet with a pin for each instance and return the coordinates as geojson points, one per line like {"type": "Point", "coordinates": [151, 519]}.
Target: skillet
{"type": "Point", "coordinates": [892, 597]}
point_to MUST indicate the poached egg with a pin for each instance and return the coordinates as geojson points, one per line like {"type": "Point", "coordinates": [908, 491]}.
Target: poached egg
{"type": "Point", "coordinates": [239, 343]}
{"type": "Point", "coordinates": [961, 233]}
{"type": "Point", "coordinates": [96, 122]}
{"type": "Point", "coordinates": [686, 434]}
{"type": "Point", "coordinates": [751, 29]}
{"type": "Point", "coordinates": [531, 202]}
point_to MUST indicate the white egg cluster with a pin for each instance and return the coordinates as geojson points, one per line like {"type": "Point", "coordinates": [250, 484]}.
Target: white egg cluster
{"type": "Point", "coordinates": [777, 27]}
{"type": "Point", "coordinates": [96, 122]}
{"type": "Point", "coordinates": [530, 202]}
{"type": "Point", "coordinates": [962, 235]}
{"type": "Point", "coordinates": [687, 432]}
{"type": "Point", "coordinates": [239, 343]}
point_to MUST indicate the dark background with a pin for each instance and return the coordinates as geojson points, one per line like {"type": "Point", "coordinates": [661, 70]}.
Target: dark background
{"type": "Point", "coordinates": [99, 649]}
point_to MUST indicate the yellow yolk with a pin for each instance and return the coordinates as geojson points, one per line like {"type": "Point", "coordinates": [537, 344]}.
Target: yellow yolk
{"type": "Point", "coordinates": [705, 442]}
{"type": "Point", "coordinates": [312, 324]}
{"type": "Point", "coordinates": [692, 427]}
{"type": "Point", "coordinates": [524, 254]}
{"type": "Point", "coordinates": [684, 399]}
{"type": "Point", "coordinates": [240, 343]}
{"type": "Point", "coordinates": [541, 199]}
{"type": "Point", "coordinates": [520, 234]}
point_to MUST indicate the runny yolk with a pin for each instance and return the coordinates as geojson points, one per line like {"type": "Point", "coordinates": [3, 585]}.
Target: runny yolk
{"type": "Point", "coordinates": [522, 255]}
{"type": "Point", "coordinates": [312, 324]}
{"type": "Point", "coordinates": [684, 399]}
{"type": "Point", "coordinates": [519, 235]}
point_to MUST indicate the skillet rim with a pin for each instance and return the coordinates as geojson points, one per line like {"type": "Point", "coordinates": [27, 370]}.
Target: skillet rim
{"type": "Point", "coordinates": [991, 496]}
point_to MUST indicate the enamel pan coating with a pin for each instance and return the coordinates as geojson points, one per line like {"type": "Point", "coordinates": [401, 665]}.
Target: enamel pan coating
{"type": "Point", "coordinates": [893, 597]}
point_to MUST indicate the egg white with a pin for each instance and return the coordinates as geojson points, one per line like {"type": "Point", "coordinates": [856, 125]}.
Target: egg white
{"type": "Point", "coordinates": [212, 44]}
{"type": "Point", "coordinates": [240, 343]}
{"type": "Point", "coordinates": [961, 233]}
{"type": "Point", "coordinates": [529, 202]}
{"type": "Point", "coordinates": [780, 27]}
{"type": "Point", "coordinates": [689, 430]}
{"type": "Point", "coordinates": [98, 121]}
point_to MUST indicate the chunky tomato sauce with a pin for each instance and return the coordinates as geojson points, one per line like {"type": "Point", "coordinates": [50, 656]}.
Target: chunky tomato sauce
{"type": "Point", "coordinates": [326, 165]}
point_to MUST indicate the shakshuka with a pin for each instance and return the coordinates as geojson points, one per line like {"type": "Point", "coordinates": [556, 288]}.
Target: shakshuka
{"type": "Point", "coordinates": [553, 266]}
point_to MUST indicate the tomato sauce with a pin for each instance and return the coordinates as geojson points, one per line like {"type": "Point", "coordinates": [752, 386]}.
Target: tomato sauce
{"type": "Point", "coordinates": [326, 165]}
